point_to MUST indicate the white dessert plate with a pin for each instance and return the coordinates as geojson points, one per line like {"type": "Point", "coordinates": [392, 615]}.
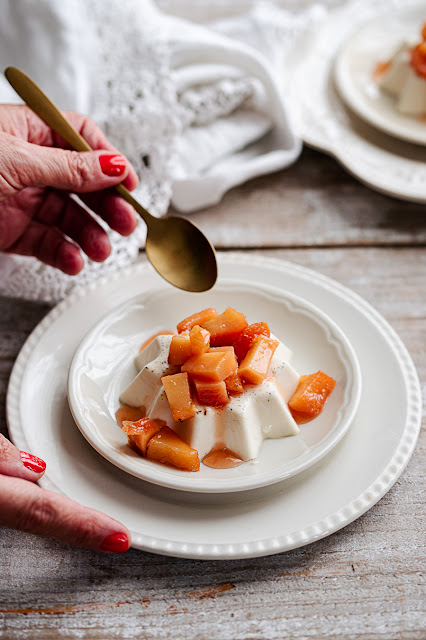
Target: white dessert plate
{"type": "Point", "coordinates": [373, 43]}
{"type": "Point", "coordinates": [103, 367]}
{"type": "Point", "coordinates": [324, 121]}
{"type": "Point", "coordinates": [294, 512]}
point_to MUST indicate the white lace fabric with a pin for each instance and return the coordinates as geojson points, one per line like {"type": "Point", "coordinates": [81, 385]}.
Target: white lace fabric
{"type": "Point", "coordinates": [125, 86]}
{"type": "Point", "coordinates": [180, 100]}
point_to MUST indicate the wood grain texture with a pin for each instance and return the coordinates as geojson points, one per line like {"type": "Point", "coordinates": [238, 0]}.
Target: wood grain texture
{"type": "Point", "coordinates": [312, 203]}
{"type": "Point", "coordinates": [365, 581]}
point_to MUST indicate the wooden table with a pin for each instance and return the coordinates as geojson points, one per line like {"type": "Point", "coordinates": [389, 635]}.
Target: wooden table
{"type": "Point", "coordinates": [365, 581]}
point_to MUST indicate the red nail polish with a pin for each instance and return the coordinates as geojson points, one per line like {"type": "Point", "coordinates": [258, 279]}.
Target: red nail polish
{"type": "Point", "coordinates": [32, 462]}
{"type": "Point", "coordinates": [115, 543]}
{"type": "Point", "coordinates": [112, 165]}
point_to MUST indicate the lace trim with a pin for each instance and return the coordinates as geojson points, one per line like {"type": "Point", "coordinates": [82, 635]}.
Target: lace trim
{"type": "Point", "coordinates": [135, 99]}
{"type": "Point", "coordinates": [135, 104]}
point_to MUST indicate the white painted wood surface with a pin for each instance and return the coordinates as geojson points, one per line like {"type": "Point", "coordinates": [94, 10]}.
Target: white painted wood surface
{"type": "Point", "coordinates": [366, 581]}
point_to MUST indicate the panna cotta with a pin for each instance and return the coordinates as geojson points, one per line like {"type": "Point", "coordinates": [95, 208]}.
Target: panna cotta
{"type": "Point", "coordinates": [216, 390]}
{"type": "Point", "coordinates": [241, 425]}
{"type": "Point", "coordinates": [404, 77]}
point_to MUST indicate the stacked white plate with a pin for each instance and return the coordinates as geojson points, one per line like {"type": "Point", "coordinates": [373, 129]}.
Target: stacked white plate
{"type": "Point", "coordinates": [303, 488]}
{"type": "Point", "coordinates": [338, 108]}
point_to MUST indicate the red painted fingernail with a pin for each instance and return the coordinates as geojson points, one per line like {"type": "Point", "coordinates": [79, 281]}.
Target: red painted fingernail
{"type": "Point", "coordinates": [115, 543]}
{"type": "Point", "coordinates": [112, 165]}
{"type": "Point", "coordinates": [32, 462]}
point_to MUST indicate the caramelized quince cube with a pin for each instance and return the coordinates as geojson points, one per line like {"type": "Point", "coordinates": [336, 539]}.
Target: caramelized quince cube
{"type": "Point", "coordinates": [212, 366]}
{"type": "Point", "coordinates": [226, 327]}
{"type": "Point", "coordinates": [200, 340]}
{"type": "Point", "coordinates": [197, 318]}
{"type": "Point", "coordinates": [168, 448]}
{"type": "Point", "coordinates": [139, 433]}
{"type": "Point", "coordinates": [234, 386]}
{"type": "Point", "coordinates": [309, 399]}
{"type": "Point", "coordinates": [178, 394]}
{"type": "Point", "coordinates": [244, 341]}
{"type": "Point", "coordinates": [180, 348]}
{"type": "Point", "coordinates": [255, 366]}
{"type": "Point", "coordinates": [129, 414]}
{"type": "Point", "coordinates": [213, 394]}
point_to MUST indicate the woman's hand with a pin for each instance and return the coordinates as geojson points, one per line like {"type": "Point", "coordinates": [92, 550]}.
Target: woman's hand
{"type": "Point", "coordinates": [38, 216]}
{"type": "Point", "coordinates": [25, 506]}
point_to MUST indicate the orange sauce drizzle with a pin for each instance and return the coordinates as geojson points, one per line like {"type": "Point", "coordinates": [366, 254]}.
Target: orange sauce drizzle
{"type": "Point", "coordinates": [380, 69]}
{"type": "Point", "coordinates": [221, 457]}
{"type": "Point", "coordinates": [129, 413]}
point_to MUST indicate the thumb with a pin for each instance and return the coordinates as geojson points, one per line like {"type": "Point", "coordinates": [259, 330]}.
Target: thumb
{"type": "Point", "coordinates": [23, 164]}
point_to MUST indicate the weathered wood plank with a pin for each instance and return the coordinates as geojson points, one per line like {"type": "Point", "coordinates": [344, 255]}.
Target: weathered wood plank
{"type": "Point", "coordinates": [313, 203]}
{"type": "Point", "coordinates": [366, 581]}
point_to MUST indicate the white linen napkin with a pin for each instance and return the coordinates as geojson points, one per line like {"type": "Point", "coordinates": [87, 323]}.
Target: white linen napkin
{"type": "Point", "coordinates": [197, 109]}
{"type": "Point", "coordinates": [246, 139]}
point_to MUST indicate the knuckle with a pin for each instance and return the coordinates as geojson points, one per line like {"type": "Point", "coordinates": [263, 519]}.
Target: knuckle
{"type": "Point", "coordinates": [11, 165]}
{"type": "Point", "coordinates": [85, 532]}
{"type": "Point", "coordinates": [79, 169]}
{"type": "Point", "coordinates": [39, 515]}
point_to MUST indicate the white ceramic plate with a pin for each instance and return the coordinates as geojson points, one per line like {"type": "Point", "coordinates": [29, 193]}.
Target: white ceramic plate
{"type": "Point", "coordinates": [103, 367]}
{"type": "Point", "coordinates": [324, 121]}
{"type": "Point", "coordinates": [376, 42]}
{"type": "Point", "coordinates": [311, 505]}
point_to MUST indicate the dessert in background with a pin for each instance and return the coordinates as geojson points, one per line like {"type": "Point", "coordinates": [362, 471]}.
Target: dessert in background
{"type": "Point", "coordinates": [404, 77]}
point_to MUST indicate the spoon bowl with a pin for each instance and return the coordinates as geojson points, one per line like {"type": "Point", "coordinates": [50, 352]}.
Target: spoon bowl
{"type": "Point", "coordinates": [177, 249]}
{"type": "Point", "coordinates": [181, 253]}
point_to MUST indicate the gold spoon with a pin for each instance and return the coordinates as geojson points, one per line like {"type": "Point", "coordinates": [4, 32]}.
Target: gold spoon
{"type": "Point", "coordinates": [177, 249]}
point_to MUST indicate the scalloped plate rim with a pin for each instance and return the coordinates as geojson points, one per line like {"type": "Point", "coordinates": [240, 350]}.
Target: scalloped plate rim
{"type": "Point", "coordinates": [313, 137]}
{"type": "Point", "coordinates": [295, 537]}
{"type": "Point", "coordinates": [354, 97]}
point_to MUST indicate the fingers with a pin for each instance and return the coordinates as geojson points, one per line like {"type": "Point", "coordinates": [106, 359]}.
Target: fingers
{"type": "Point", "coordinates": [19, 464]}
{"type": "Point", "coordinates": [26, 165]}
{"type": "Point", "coordinates": [57, 212]}
{"type": "Point", "coordinates": [30, 167]}
{"type": "Point", "coordinates": [50, 246]}
{"type": "Point", "coordinates": [65, 213]}
{"type": "Point", "coordinates": [117, 213]}
{"type": "Point", "coordinates": [27, 507]}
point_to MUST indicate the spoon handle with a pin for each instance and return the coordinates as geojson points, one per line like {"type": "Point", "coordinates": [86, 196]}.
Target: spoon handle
{"type": "Point", "coordinates": [38, 101]}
